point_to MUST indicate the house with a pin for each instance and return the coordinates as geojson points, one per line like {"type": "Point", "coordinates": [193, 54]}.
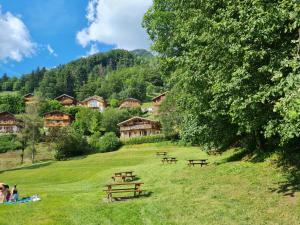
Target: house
{"type": "Point", "coordinates": [157, 101]}
{"type": "Point", "coordinates": [28, 98]}
{"type": "Point", "coordinates": [130, 103]}
{"type": "Point", "coordinates": [9, 123]}
{"type": "Point", "coordinates": [94, 102]}
{"type": "Point", "coordinates": [66, 100]}
{"type": "Point", "coordinates": [57, 119]}
{"type": "Point", "coordinates": [138, 127]}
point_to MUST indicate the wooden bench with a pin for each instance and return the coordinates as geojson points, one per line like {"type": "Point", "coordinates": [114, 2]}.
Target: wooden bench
{"type": "Point", "coordinates": [169, 160]}
{"type": "Point", "coordinates": [201, 162]}
{"type": "Point", "coordinates": [161, 153]}
{"type": "Point", "coordinates": [135, 188]}
{"type": "Point", "coordinates": [124, 175]}
{"type": "Point", "coordinates": [214, 152]}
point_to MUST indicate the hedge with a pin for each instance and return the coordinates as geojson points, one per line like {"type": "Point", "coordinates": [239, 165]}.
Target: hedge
{"type": "Point", "coordinates": [145, 139]}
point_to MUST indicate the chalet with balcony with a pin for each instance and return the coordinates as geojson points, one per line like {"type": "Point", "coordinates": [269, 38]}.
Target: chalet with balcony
{"type": "Point", "coordinates": [66, 100]}
{"type": "Point", "coordinates": [157, 101]}
{"type": "Point", "coordinates": [138, 127]}
{"type": "Point", "coordinates": [29, 98]}
{"type": "Point", "coordinates": [9, 123]}
{"type": "Point", "coordinates": [94, 102]}
{"type": "Point", "coordinates": [57, 119]}
{"type": "Point", "coordinates": [130, 103]}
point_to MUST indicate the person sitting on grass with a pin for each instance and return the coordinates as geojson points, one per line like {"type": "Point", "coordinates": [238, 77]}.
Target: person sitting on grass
{"type": "Point", "coordinates": [7, 193]}
{"type": "Point", "coordinates": [2, 197]}
{"type": "Point", "coordinates": [15, 195]}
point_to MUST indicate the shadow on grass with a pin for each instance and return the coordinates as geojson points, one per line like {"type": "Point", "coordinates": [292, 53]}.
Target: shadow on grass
{"type": "Point", "coordinates": [34, 166]}
{"type": "Point", "coordinates": [144, 194]}
{"type": "Point", "coordinates": [289, 161]}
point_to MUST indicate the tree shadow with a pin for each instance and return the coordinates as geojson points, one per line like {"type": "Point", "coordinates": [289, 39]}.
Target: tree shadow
{"type": "Point", "coordinates": [34, 166]}
{"type": "Point", "coordinates": [288, 187]}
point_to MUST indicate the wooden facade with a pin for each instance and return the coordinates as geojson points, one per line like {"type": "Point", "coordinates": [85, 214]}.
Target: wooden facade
{"type": "Point", "coordinates": [57, 119]}
{"type": "Point", "coordinates": [157, 101]}
{"type": "Point", "coordinates": [9, 123]}
{"type": "Point", "coordinates": [94, 102]}
{"type": "Point", "coordinates": [66, 100]}
{"type": "Point", "coordinates": [29, 98]}
{"type": "Point", "coordinates": [138, 127]}
{"type": "Point", "coordinates": [130, 103]}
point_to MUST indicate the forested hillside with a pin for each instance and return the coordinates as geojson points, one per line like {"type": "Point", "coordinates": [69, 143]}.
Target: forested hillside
{"type": "Point", "coordinates": [117, 74]}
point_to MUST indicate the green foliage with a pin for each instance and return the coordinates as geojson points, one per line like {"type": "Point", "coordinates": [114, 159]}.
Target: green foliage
{"type": "Point", "coordinates": [69, 143]}
{"type": "Point", "coordinates": [48, 106]}
{"type": "Point", "coordinates": [234, 66]}
{"type": "Point", "coordinates": [13, 103]}
{"type": "Point", "coordinates": [107, 143]}
{"type": "Point", "coordinates": [146, 139]}
{"type": "Point", "coordinates": [8, 143]}
{"type": "Point", "coordinates": [87, 121]}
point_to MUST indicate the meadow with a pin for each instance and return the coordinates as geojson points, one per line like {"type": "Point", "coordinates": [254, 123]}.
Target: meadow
{"type": "Point", "coordinates": [225, 192]}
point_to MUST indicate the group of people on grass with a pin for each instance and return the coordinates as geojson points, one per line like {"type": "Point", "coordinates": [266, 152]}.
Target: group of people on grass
{"type": "Point", "coordinates": [7, 195]}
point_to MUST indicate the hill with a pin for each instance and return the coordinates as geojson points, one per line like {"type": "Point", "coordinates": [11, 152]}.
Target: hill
{"type": "Point", "coordinates": [225, 192]}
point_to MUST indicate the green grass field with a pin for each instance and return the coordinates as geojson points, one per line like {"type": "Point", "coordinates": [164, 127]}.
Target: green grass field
{"type": "Point", "coordinates": [221, 193]}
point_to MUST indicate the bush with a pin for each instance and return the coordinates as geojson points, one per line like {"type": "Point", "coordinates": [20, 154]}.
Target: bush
{"type": "Point", "coordinates": [145, 139]}
{"type": "Point", "coordinates": [70, 143]}
{"type": "Point", "coordinates": [8, 143]}
{"type": "Point", "coordinates": [107, 143]}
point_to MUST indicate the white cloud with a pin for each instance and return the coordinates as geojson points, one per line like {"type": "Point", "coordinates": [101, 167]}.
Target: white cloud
{"type": "Point", "coordinates": [51, 50]}
{"type": "Point", "coordinates": [116, 22]}
{"type": "Point", "coordinates": [15, 41]}
{"type": "Point", "coordinates": [93, 50]}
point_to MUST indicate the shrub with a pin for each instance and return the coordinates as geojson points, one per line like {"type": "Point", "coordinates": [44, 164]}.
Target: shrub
{"type": "Point", "coordinates": [8, 143]}
{"type": "Point", "coordinates": [70, 143]}
{"type": "Point", "coordinates": [107, 143]}
{"type": "Point", "coordinates": [145, 139]}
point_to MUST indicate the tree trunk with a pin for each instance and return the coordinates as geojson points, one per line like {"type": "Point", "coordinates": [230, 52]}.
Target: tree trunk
{"type": "Point", "coordinates": [22, 156]}
{"type": "Point", "coordinates": [33, 147]}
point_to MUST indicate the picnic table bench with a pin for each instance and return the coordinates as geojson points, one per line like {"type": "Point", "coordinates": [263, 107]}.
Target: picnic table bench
{"type": "Point", "coordinates": [201, 162]}
{"type": "Point", "coordinates": [161, 153]}
{"type": "Point", "coordinates": [134, 187]}
{"type": "Point", "coordinates": [169, 160]}
{"type": "Point", "coordinates": [123, 175]}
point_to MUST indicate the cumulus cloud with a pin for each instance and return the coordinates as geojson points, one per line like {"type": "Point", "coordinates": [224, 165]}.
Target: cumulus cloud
{"type": "Point", "coordinates": [15, 41]}
{"type": "Point", "coordinates": [116, 22]}
{"type": "Point", "coordinates": [51, 50]}
{"type": "Point", "coordinates": [93, 50]}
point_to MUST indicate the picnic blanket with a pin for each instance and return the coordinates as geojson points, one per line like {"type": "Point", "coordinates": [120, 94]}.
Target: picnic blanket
{"type": "Point", "coordinates": [33, 198]}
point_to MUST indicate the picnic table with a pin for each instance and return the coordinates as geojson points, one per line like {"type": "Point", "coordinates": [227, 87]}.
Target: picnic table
{"type": "Point", "coordinates": [161, 153]}
{"type": "Point", "coordinates": [169, 160]}
{"type": "Point", "coordinates": [123, 175]}
{"type": "Point", "coordinates": [201, 162]}
{"type": "Point", "coordinates": [134, 187]}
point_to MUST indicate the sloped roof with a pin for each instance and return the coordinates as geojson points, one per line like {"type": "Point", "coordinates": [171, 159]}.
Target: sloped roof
{"type": "Point", "coordinates": [130, 99]}
{"type": "Point", "coordinates": [137, 117]}
{"type": "Point", "coordinates": [64, 95]}
{"type": "Point", "coordinates": [29, 94]}
{"type": "Point", "coordinates": [5, 112]}
{"type": "Point", "coordinates": [56, 111]}
{"type": "Point", "coordinates": [159, 95]}
{"type": "Point", "coordinates": [95, 97]}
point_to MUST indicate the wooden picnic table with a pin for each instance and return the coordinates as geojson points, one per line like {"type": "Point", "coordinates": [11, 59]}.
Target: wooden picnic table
{"type": "Point", "coordinates": [134, 187]}
{"type": "Point", "coordinates": [123, 175]}
{"type": "Point", "coordinates": [161, 153]}
{"type": "Point", "coordinates": [201, 162]}
{"type": "Point", "coordinates": [169, 160]}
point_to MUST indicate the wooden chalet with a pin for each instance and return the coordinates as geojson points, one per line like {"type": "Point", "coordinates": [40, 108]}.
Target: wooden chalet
{"type": "Point", "coordinates": [9, 123]}
{"type": "Point", "coordinates": [66, 100]}
{"type": "Point", "coordinates": [94, 102]}
{"type": "Point", "coordinates": [138, 127]}
{"type": "Point", "coordinates": [57, 119]}
{"type": "Point", "coordinates": [28, 98]}
{"type": "Point", "coordinates": [130, 103]}
{"type": "Point", "coordinates": [157, 101]}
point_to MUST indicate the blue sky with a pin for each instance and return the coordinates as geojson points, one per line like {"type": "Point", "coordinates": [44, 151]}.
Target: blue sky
{"type": "Point", "coordinates": [51, 32]}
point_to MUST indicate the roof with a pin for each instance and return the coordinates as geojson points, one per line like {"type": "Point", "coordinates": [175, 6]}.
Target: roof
{"type": "Point", "coordinates": [64, 95]}
{"type": "Point", "coordinates": [130, 99]}
{"type": "Point", "coordinates": [159, 95]}
{"type": "Point", "coordinates": [29, 94]}
{"type": "Point", "coordinates": [56, 111]}
{"type": "Point", "coordinates": [137, 117]}
{"type": "Point", "coordinates": [95, 97]}
{"type": "Point", "coordinates": [5, 112]}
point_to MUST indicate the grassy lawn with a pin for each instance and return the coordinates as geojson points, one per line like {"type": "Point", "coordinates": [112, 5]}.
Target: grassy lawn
{"type": "Point", "coordinates": [221, 193]}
